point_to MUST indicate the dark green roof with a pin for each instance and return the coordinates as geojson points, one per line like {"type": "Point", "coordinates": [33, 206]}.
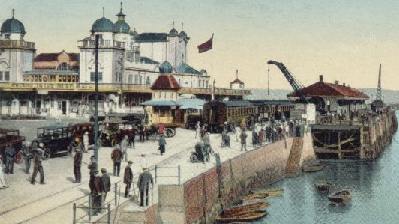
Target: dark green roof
{"type": "Point", "coordinates": [173, 32]}
{"type": "Point", "coordinates": [151, 37]}
{"type": "Point", "coordinates": [121, 27]}
{"type": "Point", "coordinates": [185, 68]}
{"type": "Point", "coordinates": [13, 26]}
{"type": "Point", "coordinates": [103, 25]}
{"type": "Point", "coordinates": [165, 67]}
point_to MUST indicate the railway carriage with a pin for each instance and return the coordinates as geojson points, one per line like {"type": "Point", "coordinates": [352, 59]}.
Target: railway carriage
{"type": "Point", "coordinates": [217, 113]}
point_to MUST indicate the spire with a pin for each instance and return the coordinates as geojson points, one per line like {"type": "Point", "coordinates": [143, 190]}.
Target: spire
{"type": "Point", "coordinates": [12, 13]}
{"type": "Point", "coordinates": [379, 92]}
{"type": "Point", "coordinates": [103, 12]}
{"type": "Point", "coordinates": [236, 73]}
{"type": "Point", "coordinates": [121, 15]}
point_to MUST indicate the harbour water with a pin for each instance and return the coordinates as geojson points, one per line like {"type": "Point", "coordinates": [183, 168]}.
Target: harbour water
{"type": "Point", "coordinates": [374, 186]}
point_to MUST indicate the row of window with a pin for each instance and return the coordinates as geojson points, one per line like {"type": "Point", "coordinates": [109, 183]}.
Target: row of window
{"type": "Point", "coordinates": [238, 111]}
{"type": "Point", "coordinates": [4, 76]}
{"type": "Point", "coordinates": [138, 79]}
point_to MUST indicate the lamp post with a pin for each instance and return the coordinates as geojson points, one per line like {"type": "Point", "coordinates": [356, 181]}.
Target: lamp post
{"type": "Point", "coordinates": [96, 40]}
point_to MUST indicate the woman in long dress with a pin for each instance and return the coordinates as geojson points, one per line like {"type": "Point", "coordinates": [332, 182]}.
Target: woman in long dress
{"type": "Point", "coordinates": [3, 181]}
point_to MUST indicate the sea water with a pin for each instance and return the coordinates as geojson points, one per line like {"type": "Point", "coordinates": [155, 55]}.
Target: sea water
{"type": "Point", "coordinates": [374, 186]}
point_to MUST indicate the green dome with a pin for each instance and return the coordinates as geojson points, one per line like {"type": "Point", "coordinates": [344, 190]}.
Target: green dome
{"type": "Point", "coordinates": [122, 27]}
{"type": "Point", "coordinates": [13, 26]}
{"type": "Point", "coordinates": [102, 25]}
{"type": "Point", "coordinates": [165, 67]}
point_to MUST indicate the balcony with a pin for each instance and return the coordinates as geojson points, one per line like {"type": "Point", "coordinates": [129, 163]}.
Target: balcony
{"type": "Point", "coordinates": [18, 44]}
{"type": "Point", "coordinates": [87, 43]}
{"type": "Point", "coordinates": [218, 91]}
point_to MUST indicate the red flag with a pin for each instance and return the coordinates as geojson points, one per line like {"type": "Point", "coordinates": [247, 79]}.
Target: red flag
{"type": "Point", "coordinates": [204, 47]}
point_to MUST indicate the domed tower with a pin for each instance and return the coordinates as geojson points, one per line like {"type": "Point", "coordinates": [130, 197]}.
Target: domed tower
{"type": "Point", "coordinates": [122, 28]}
{"type": "Point", "coordinates": [16, 54]}
{"type": "Point", "coordinates": [177, 44]}
{"type": "Point", "coordinates": [111, 54]}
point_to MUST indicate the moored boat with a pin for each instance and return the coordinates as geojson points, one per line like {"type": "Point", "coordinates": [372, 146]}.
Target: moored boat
{"type": "Point", "coordinates": [323, 187]}
{"type": "Point", "coordinates": [312, 167]}
{"type": "Point", "coordinates": [245, 217]}
{"type": "Point", "coordinates": [342, 196]}
{"type": "Point", "coordinates": [244, 208]}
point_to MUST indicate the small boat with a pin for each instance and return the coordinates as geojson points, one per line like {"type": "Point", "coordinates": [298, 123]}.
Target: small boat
{"type": "Point", "coordinates": [245, 217]}
{"type": "Point", "coordinates": [342, 196]}
{"type": "Point", "coordinates": [323, 187]}
{"type": "Point", "coordinates": [244, 208]}
{"type": "Point", "coordinates": [312, 167]}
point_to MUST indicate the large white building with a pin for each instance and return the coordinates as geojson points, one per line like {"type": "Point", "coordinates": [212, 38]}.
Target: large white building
{"type": "Point", "coordinates": [16, 54]}
{"type": "Point", "coordinates": [128, 57]}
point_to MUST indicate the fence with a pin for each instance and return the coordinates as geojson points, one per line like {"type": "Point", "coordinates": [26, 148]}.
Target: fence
{"type": "Point", "coordinates": [158, 174]}
{"type": "Point", "coordinates": [84, 210]}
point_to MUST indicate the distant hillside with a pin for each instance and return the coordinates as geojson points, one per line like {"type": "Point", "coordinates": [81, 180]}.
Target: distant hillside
{"type": "Point", "coordinates": [389, 96]}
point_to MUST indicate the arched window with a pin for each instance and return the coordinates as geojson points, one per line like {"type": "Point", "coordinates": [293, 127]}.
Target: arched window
{"type": "Point", "coordinates": [63, 66]}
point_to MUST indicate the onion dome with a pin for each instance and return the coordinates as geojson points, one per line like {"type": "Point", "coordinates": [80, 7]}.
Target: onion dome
{"type": "Point", "coordinates": [182, 34]}
{"type": "Point", "coordinates": [173, 32]}
{"type": "Point", "coordinates": [13, 26]}
{"type": "Point", "coordinates": [121, 25]}
{"type": "Point", "coordinates": [165, 67]}
{"type": "Point", "coordinates": [102, 25]}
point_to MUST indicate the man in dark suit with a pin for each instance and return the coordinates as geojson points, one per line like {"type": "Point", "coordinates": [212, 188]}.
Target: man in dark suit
{"type": "Point", "coordinates": [106, 180]}
{"type": "Point", "coordinates": [116, 157]}
{"type": "Point", "coordinates": [145, 179]}
{"type": "Point", "coordinates": [77, 162]}
{"type": "Point", "coordinates": [128, 178]}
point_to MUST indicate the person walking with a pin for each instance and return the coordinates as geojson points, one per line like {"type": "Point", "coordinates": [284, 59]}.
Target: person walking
{"type": "Point", "coordinates": [144, 182]}
{"type": "Point", "coordinates": [37, 167]}
{"type": "Point", "coordinates": [243, 138]}
{"type": "Point", "coordinates": [10, 158]}
{"type": "Point", "coordinates": [97, 193]}
{"type": "Point", "coordinates": [128, 178]}
{"type": "Point", "coordinates": [77, 162]}
{"type": "Point", "coordinates": [116, 157]}
{"type": "Point", "coordinates": [124, 147]}
{"type": "Point", "coordinates": [254, 137]}
{"type": "Point", "coordinates": [27, 154]}
{"type": "Point", "coordinates": [3, 181]}
{"type": "Point", "coordinates": [92, 172]}
{"type": "Point", "coordinates": [86, 141]}
{"type": "Point", "coordinates": [261, 136]}
{"type": "Point", "coordinates": [106, 181]}
{"type": "Point", "coordinates": [162, 143]}
{"type": "Point", "coordinates": [132, 138]}
{"type": "Point", "coordinates": [237, 132]}
{"type": "Point", "coordinates": [141, 133]}
{"type": "Point", "coordinates": [198, 129]}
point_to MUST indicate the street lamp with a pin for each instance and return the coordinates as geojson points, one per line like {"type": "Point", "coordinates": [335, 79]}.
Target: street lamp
{"type": "Point", "coordinates": [96, 43]}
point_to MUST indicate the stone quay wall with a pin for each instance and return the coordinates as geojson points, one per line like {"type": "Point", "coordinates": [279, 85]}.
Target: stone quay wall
{"type": "Point", "coordinates": [200, 199]}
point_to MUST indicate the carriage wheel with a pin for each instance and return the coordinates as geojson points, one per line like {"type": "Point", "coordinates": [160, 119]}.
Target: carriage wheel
{"type": "Point", "coordinates": [170, 132]}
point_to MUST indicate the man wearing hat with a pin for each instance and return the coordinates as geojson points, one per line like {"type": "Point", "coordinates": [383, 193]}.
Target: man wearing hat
{"type": "Point", "coordinates": [145, 179]}
{"type": "Point", "coordinates": [37, 167]}
{"type": "Point", "coordinates": [93, 168]}
{"type": "Point", "coordinates": [106, 180]}
{"type": "Point", "coordinates": [162, 143]}
{"type": "Point", "coordinates": [77, 162]}
{"type": "Point", "coordinates": [27, 154]}
{"type": "Point", "coordinates": [128, 178]}
{"type": "Point", "coordinates": [97, 193]}
{"type": "Point", "coordinates": [116, 157]}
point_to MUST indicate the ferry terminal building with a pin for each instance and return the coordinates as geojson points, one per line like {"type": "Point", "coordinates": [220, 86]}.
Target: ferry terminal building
{"type": "Point", "coordinates": [62, 83]}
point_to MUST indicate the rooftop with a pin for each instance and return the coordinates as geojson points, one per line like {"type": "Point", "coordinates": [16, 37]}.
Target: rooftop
{"type": "Point", "coordinates": [165, 82]}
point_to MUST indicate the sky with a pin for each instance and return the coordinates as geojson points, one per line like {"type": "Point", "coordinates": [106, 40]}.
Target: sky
{"type": "Point", "coordinates": [343, 40]}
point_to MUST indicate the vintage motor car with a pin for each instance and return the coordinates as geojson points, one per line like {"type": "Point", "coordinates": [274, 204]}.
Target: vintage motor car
{"type": "Point", "coordinates": [56, 139]}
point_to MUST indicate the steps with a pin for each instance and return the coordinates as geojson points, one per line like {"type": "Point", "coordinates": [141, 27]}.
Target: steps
{"type": "Point", "coordinates": [294, 159]}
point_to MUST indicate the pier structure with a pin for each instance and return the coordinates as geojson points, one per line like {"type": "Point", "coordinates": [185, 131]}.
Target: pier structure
{"type": "Point", "coordinates": [345, 126]}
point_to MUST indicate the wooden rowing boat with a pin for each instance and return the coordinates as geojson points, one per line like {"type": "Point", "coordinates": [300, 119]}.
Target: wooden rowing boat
{"type": "Point", "coordinates": [312, 168]}
{"type": "Point", "coordinates": [246, 217]}
{"type": "Point", "coordinates": [342, 196]}
{"type": "Point", "coordinates": [323, 187]}
{"type": "Point", "coordinates": [244, 208]}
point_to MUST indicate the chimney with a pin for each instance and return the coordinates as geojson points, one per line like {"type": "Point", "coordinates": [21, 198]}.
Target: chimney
{"type": "Point", "coordinates": [336, 82]}
{"type": "Point", "coordinates": [321, 78]}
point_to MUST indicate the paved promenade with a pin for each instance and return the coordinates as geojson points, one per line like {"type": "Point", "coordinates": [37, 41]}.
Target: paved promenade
{"type": "Point", "coordinates": [26, 203]}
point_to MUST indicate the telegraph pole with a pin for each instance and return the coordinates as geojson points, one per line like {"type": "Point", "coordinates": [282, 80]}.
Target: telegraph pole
{"type": "Point", "coordinates": [96, 98]}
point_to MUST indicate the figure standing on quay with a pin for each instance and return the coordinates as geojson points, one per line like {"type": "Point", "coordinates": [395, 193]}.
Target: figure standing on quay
{"type": "Point", "coordinates": [144, 182]}
{"type": "Point", "coordinates": [37, 167]}
{"type": "Point", "coordinates": [128, 178]}
{"type": "Point", "coordinates": [116, 157]}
